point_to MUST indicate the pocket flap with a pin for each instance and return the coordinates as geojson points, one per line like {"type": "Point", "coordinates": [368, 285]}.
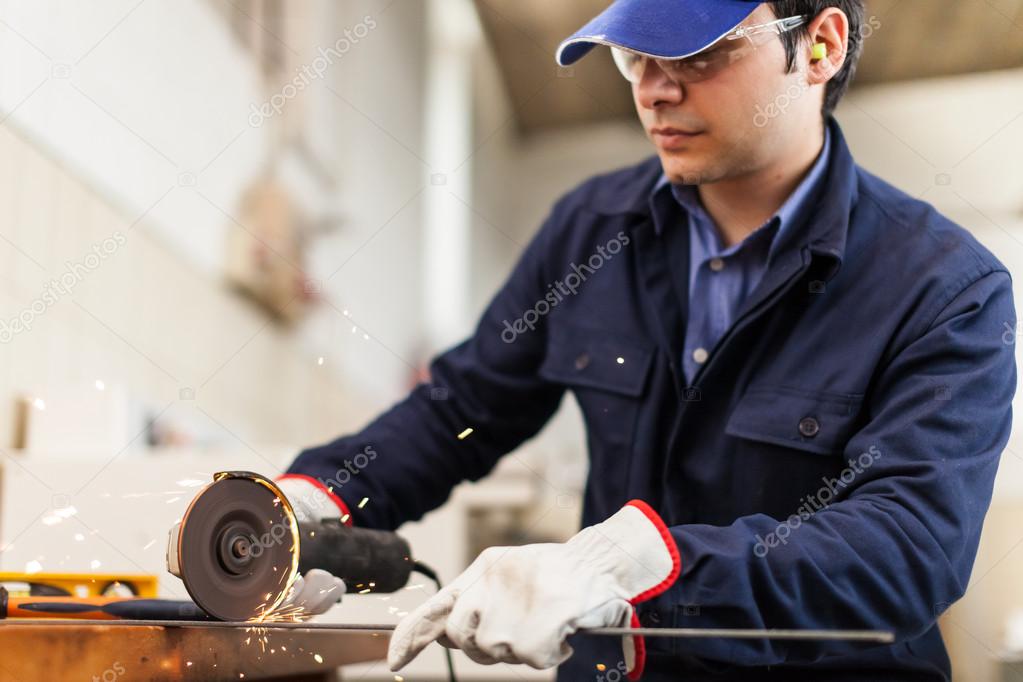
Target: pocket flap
{"type": "Point", "coordinates": [597, 358]}
{"type": "Point", "coordinates": [815, 421]}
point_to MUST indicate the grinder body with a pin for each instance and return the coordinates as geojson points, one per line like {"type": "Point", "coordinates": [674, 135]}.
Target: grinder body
{"type": "Point", "coordinates": [367, 560]}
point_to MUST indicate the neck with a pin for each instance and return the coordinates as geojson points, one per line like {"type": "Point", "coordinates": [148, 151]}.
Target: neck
{"type": "Point", "coordinates": [741, 204]}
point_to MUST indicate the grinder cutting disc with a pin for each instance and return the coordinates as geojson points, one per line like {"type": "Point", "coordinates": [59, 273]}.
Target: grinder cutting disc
{"type": "Point", "coordinates": [237, 547]}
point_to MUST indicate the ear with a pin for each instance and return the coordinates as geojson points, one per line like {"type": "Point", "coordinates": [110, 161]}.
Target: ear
{"type": "Point", "coordinates": [829, 32]}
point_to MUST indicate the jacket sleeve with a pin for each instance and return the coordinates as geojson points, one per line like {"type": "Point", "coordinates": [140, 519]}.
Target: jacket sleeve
{"type": "Point", "coordinates": [406, 461]}
{"type": "Point", "coordinates": [896, 546]}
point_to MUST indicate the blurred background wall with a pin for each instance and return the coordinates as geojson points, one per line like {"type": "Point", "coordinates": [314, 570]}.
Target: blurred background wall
{"type": "Point", "coordinates": [381, 163]}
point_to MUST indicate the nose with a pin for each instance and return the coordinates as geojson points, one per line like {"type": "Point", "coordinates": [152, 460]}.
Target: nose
{"type": "Point", "coordinates": [656, 89]}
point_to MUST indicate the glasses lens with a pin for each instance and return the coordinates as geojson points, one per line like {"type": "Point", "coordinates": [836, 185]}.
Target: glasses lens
{"type": "Point", "coordinates": [691, 70]}
{"type": "Point", "coordinates": [629, 63]}
{"type": "Point", "coordinates": [702, 66]}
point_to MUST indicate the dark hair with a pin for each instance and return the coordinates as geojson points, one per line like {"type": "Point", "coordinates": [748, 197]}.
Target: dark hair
{"type": "Point", "coordinates": [854, 10]}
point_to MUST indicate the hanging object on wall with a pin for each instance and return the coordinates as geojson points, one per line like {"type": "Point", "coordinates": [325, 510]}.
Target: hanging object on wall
{"type": "Point", "coordinates": [266, 252]}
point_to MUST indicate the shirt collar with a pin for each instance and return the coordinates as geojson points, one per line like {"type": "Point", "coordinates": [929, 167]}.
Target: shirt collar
{"type": "Point", "coordinates": [789, 213]}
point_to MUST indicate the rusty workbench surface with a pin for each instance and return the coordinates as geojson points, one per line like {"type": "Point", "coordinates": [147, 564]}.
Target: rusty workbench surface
{"type": "Point", "coordinates": [126, 653]}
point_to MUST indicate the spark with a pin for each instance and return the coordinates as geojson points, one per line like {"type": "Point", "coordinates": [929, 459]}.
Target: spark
{"type": "Point", "coordinates": [344, 519]}
{"type": "Point", "coordinates": [149, 544]}
{"type": "Point", "coordinates": [39, 404]}
{"type": "Point", "coordinates": [319, 659]}
{"type": "Point", "coordinates": [465, 434]}
{"type": "Point", "coordinates": [363, 502]}
{"type": "Point", "coordinates": [365, 591]}
{"type": "Point", "coordinates": [173, 500]}
{"type": "Point", "coordinates": [33, 566]}
{"type": "Point", "coordinates": [95, 563]}
{"type": "Point", "coordinates": [190, 483]}
{"type": "Point", "coordinates": [59, 515]}
{"type": "Point", "coordinates": [319, 360]}
{"type": "Point", "coordinates": [601, 667]}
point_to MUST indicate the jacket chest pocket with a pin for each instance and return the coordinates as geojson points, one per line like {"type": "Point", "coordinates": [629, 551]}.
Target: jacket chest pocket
{"type": "Point", "coordinates": [607, 371]}
{"type": "Point", "coordinates": [790, 443]}
{"type": "Point", "coordinates": [818, 422]}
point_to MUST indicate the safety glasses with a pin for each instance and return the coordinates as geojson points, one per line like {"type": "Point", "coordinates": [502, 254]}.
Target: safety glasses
{"type": "Point", "coordinates": [704, 65]}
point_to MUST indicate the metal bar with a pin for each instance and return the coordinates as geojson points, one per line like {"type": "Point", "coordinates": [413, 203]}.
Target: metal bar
{"type": "Point", "coordinates": [880, 636]}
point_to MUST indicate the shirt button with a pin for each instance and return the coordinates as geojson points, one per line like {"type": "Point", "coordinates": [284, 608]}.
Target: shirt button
{"type": "Point", "coordinates": [700, 355]}
{"type": "Point", "coordinates": [808, 426]}
{"type": "Point", "coordinates": [717, 265]}
{"type": "Point", "coordinates": [582, 361]}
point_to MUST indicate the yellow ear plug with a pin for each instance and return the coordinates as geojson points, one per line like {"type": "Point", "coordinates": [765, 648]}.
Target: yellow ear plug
{"type": "Point", "coordinates": [820, 51]}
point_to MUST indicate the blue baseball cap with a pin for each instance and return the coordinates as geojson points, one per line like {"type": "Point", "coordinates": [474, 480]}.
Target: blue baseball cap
{"type": "Point", "coordinates": [668, 29]}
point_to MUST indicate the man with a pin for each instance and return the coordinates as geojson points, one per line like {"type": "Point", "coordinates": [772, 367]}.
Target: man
{"type": "Point", "coordinates": [793, 376]}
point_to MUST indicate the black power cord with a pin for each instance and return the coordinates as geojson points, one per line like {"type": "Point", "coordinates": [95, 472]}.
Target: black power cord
{"type": "Point", "coordinates": [423, 569]}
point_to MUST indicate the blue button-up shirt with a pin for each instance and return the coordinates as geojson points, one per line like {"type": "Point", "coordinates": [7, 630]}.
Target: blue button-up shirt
{"type": "Point", "coordinates": [720, 278]}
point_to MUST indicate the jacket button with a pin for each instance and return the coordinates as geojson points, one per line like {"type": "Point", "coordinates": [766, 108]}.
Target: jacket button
{"type": "Point", "coordinates": [582, 361]}
{"type": "Point", "coordinates": [808, 426]}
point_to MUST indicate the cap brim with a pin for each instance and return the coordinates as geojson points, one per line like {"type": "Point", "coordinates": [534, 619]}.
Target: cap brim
{"type": "Point", "coordinates": [669, 30]}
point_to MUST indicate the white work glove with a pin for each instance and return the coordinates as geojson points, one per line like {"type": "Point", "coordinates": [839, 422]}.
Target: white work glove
{"type": "Point", "coordinates": [519, 604]}
{"type": "Point", "coordinates": [312, 500]}
{"type": "Point", "coordinates": [317, 590]}
{"type": "Point", "coordinates": [312, 594]}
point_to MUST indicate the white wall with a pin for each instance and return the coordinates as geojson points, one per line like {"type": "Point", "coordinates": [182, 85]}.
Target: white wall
{"type": "Point", "coordinates": [149, 105]}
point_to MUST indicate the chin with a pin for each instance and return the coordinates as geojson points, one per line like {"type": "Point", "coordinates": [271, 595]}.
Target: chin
{"type": "Point", "coordinates": [681, 172]}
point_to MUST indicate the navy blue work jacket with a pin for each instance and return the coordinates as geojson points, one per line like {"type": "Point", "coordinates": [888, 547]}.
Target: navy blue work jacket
{"type": "Point", "coordinates": [829, 466]}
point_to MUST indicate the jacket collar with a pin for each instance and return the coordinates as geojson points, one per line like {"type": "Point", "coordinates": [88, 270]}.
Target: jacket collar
{"type": "Point", "coordinates": [824, 232]}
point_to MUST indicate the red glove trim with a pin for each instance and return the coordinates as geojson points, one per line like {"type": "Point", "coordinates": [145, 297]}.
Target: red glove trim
{"type": "Point", "coordinates": [342, 507]}
{"type": "Point", "coordinates": [639, 643]}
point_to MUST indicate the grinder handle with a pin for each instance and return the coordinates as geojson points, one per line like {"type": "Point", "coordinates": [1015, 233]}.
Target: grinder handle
{"type": "Point", "coordinates": [373, 560]}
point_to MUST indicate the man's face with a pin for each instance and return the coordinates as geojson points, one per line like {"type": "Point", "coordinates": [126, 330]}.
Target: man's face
{"type": "Point", "coordinates": [717, 129]}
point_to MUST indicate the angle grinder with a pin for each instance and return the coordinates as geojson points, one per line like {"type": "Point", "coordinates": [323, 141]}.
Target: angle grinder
{"type": "Point", "coordinates": [239, 547]}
